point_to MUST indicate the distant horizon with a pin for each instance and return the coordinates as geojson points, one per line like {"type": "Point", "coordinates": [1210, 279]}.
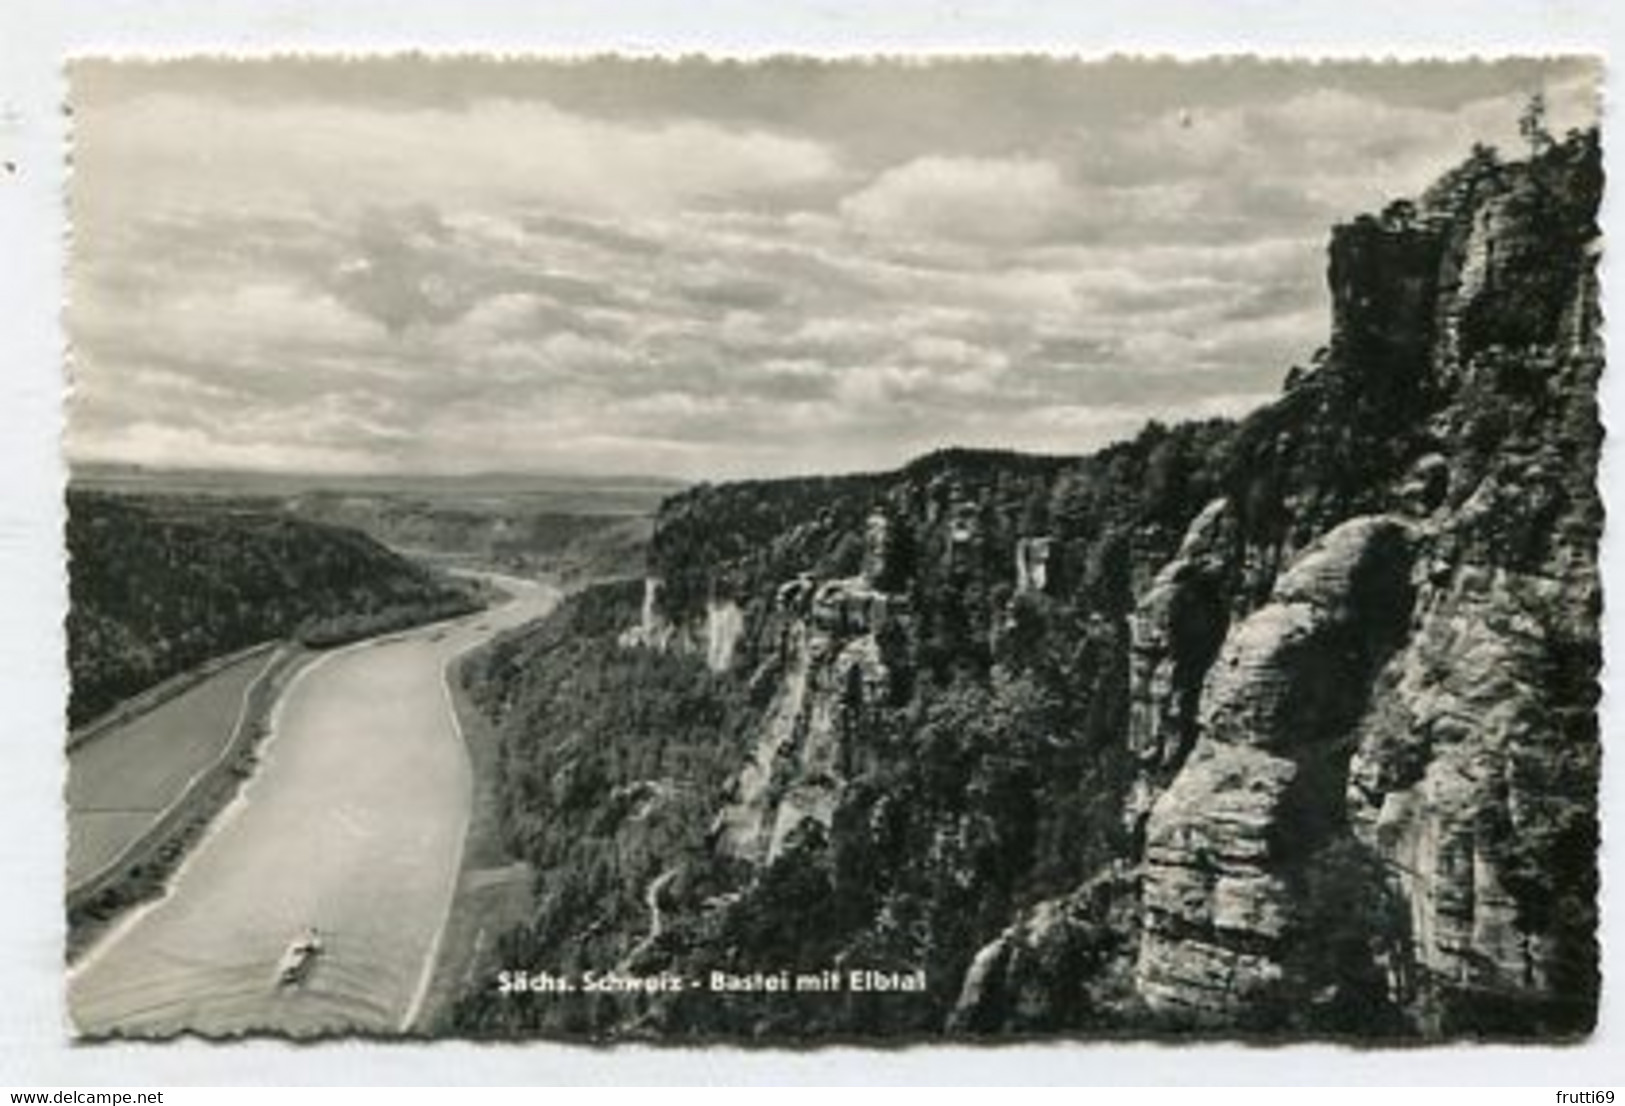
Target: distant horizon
{"type": "Point", "coordinates": [716, 271]}
{"type": "Point", "coordinates": [86, 466]}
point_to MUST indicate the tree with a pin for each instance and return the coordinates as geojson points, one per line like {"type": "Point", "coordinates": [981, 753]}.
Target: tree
{"type": "Point", "coordinates": [1532, 125]}
{"type": "Point", "coordinates": [1400, 215]}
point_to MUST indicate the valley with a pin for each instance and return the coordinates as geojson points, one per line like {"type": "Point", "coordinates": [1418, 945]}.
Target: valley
{"type": "Point", "coordinates": [1276, 726]}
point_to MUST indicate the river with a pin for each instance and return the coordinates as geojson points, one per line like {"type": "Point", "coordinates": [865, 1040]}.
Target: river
{"type": "Point", "coordinates": [353, 822]}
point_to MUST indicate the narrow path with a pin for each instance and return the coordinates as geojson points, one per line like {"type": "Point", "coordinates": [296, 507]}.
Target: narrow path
{"type": "Point", "coordinates": [657, 921]}
{"type": "Point", "coordinates": [651, 898]}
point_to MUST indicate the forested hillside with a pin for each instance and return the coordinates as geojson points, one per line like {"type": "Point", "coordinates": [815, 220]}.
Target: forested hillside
{"type": "Point", "coordinates": [1282, 725]}
{"type": "Point", "coordinates": [510, 531]}
{"type": "Point", "coordinates": [158, 584]}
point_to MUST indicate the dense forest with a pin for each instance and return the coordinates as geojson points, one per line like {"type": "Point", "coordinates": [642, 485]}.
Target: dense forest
{"type": "Point", "coordinates": [1285, 724]}
{"type": "Point", "coordinates": [158, 584]}
{"type": "Point", "coordinates": [1003, 710]}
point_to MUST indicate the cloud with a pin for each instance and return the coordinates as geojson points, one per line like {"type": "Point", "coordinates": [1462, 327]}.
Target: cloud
{"type": "Point", "coordinates": [977, 199]}
{"type": "Point", "coordinates": [1319, 154]}
{"type": "Point", "coordinates": [172, 151]}
{"type": "Point", "coordinates": [504, 315]}
{"type": "Point", "coordinates": [162, 444]}
{"type": "Point", "coordinates": [812, 277]}
{"type": "Point", "coordinates": [263, 319]}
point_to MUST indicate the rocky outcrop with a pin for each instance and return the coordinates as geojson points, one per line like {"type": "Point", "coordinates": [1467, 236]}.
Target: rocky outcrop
{"type": "Point", "coordinates": [716, 639]}
{"type": "Point", "coordinates": [879, 548]}
{"type": "Point", "coordinates": [1441, 726]}
{"type": "Point", "coordinates": [1033, 564]}
{"type": "Point", "coordinates": [831, 670]}
{"type": "Point", "coordinates": [653, 631]}
{"type": "Point", "coordinates": [1474, 760]}
{"type": "Point", "coordinates": [724, 622]}
{"type": "Point", "coordinates": [1174, 633]}
{"type": "Point", "coordinates": [1384, 284]}
{"type": "Point", "coordinates": [1057, 966]}
{"type": "Point", "coordinates": [834, 671]}
{"type": "Point", "coordinates": [1226, 842]}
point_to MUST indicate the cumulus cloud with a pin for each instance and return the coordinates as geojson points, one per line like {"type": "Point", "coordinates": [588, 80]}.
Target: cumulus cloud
{"type": "Point", "coordinates": [979, 199]}
{"type": "Point", "coordinates": [265, 325]}
{"type": "Point", "coordinates": [194, 152]}
{"type": "Point", "coordinates": [1320, 153]}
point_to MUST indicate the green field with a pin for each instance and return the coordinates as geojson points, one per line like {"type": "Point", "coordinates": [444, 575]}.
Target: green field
{"type": "Point", "coordinates": [121, 780]}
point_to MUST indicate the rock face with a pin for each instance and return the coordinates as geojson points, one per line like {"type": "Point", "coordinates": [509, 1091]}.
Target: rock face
{"type": "Point", "coordinates": [1032, 564]}
{"type": "Point", "coordinates": [1225, 842]}
{"type": "Point", "coordinates": [1283, 724]}
{"type": "Point", "coordinates": [1059, 965]}
{"type": "Point", "coordinates": [1420, 692]}
{"type": "Point", "coordinates": [653, 631]}
{"type": "Point", "coordinates": [1373, 808]}
{"type": "Point", "coordinates": [724, 622]}
{"type": "Point", "coordinates": [835, 673]}
{"type": "Point", "coordinates": [1175, 631]}
{"type": "Point", "coordinates": [1475, 768]}
{"type": "Point", "coordinates": [715, 640]}
{"type": "Point", "coordinates": [879, 550]}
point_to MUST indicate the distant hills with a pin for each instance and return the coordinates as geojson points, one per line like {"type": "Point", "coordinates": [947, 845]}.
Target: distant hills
{"type": "Point", "coordinates": [160, 584]}
{"type": "Point", "coordinates": [557, 492]}
{"type": "Point", "coordinates": [172, 567]}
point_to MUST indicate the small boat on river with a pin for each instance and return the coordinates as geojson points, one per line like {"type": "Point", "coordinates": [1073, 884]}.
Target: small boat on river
{"type": "Point", "coordinates": [299, 958]}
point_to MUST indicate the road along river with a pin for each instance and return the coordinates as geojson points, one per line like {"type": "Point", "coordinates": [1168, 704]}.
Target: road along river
{"type": "Point", "coordinates": [353, 823]}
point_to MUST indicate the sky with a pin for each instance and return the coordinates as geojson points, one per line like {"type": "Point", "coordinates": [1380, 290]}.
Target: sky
{"type": "Point", "coordinates": [711, 269]}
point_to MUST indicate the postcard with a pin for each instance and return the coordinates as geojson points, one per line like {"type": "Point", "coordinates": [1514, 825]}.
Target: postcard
{"type": "Point", "coordinates": [833, 550]}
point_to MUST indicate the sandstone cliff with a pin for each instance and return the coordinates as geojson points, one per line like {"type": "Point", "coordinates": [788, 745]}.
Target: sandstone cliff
{"type": "Point", "coordinates": [834, 637]}
{"type": "Point", "coordinates": [1228, 841]}
{"type": "Point", "coordinates": [1278, 725]}
{"type": "Point", "coordinates": [1411, 710]}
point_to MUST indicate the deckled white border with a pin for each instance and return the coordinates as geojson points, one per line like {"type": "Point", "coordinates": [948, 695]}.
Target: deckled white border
{"type": "Point", "coordinates": [36, 34]}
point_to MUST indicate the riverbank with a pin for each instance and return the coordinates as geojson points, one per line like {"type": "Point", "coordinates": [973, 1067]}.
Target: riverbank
{"type": "Point", "coordinates": [145, 702]}
{"type": "Point", "coordinates": [142, 868]}
{"type": "Point", "coordinates": [494, 891]}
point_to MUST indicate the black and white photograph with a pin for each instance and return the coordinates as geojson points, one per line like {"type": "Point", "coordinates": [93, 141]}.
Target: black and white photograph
{"type": "Point", "coordinates": [797, 551]}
